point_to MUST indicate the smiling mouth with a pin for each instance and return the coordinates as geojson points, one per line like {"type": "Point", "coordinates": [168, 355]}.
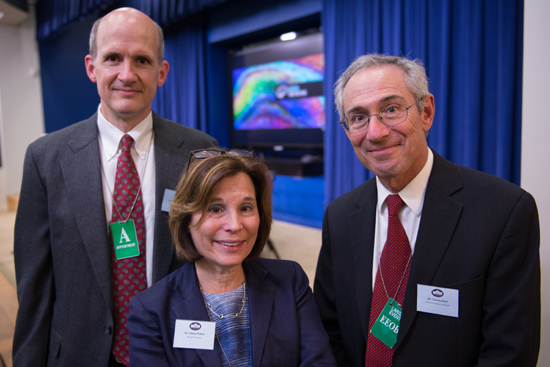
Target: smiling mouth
{"type": "Point", "coordinates": [230, 244]}
{"type": "Point", "coordinates": [381, 150]}
{"type": "Point", "coordinates": [126, 90]}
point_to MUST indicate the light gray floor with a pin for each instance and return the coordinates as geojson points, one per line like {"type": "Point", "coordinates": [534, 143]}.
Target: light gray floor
{"type": "Point", "coordinates": [298, 243]}
{"type": "Point", "coordinates": [7, 221]}
{"type": "Point", "coordinates": [293, 242]}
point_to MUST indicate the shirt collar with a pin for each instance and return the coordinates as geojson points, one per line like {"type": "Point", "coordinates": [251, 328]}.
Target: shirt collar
{"type": "Point", "coordinates": [110, 136]}
{"type": "Point", "coordinates": [413, 193]}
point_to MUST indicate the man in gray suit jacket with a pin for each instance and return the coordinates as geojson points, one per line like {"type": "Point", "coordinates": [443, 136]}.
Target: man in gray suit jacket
{"type": "Point", "coordinates": [469, 294]}
{"type": "Point", "coordinates": [62, 248]}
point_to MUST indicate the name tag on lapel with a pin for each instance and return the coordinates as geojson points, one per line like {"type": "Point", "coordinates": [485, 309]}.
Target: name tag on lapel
{"type": "Point", "coordinates": [167, 199]}
{"type": "Point", "coordinates": [437, 300]}
{"type": "Point", "coordinates": [192, 334]}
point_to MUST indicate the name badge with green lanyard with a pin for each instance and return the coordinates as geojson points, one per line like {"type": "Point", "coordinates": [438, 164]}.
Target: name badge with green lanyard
{"type": "Point", "coordinates": [386, 326]}
{"type": "Point", "coordinates": [125, 239]}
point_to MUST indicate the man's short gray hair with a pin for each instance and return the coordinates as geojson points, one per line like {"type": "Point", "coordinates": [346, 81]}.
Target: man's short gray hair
{"type": "Point", "coordinates": [93, 44]}
{"type": "Point", "coordinates": [415, 76]}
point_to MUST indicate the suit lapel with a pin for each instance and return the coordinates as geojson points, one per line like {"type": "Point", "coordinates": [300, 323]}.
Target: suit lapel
{"type": "Point", "coordinates": [261, 297]}
{"type": "Point", "coordinates": [440, 214]}
{"type": "Point", "coordinates": [361, 227]}
{"type": "Point", "coordinates": [81, 170]}
{"type": "Point", "coordinates": [169, 165]}
{"type": "Point", "coordinates": [192, 308]}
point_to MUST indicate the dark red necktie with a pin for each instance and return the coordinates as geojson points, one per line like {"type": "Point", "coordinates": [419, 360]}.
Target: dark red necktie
{"type": "Point", "coordinates": [392, 274]}
{"type": "Point", "coordinates": [128, 275]}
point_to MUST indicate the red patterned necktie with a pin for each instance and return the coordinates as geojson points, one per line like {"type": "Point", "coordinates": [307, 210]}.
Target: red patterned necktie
{"type": "Point", "coordinates": [393, 272]}
{"type": "Point", "coordinates": [128, 275]}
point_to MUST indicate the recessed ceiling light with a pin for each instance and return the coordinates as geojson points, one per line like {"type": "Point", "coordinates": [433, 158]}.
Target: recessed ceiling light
{"type": "Point", "coordinates": [288, 36]}
{"type": "Point", "coordinates": [1, 14]}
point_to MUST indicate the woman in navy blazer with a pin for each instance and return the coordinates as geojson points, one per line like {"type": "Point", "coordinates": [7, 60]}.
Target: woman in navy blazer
{"type": "Point", "coordinates": [263, 310]}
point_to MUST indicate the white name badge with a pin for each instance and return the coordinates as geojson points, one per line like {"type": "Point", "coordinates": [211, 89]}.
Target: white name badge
{"type": "Point", "coordinates": [192, 334]}
{"type": "Point", "coordinates": [167, 199]}
{"type": "Point", "coordinates": [437, 300]}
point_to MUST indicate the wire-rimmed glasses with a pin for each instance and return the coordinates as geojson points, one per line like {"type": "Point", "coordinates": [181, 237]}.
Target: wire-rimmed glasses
{"type": "Point", "coordinates": [391, 115]}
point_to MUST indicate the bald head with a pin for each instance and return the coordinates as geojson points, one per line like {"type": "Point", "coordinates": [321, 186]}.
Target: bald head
{"type": "Point", "coordinates": [126, 17]}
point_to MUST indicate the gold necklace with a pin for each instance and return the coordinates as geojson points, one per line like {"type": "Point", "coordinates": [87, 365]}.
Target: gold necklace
{"type": "Point", "coordinates": [221, 316]}
{"type": "Point", "coordinates": [208, 306]}
{"type": "Point", "coordinates": [218, 339]}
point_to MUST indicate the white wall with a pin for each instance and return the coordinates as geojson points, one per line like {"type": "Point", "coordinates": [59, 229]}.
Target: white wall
{"type": "Point", "coordinates": [21, 112]}
{"type": "Point", "coordinates": [535, 164]}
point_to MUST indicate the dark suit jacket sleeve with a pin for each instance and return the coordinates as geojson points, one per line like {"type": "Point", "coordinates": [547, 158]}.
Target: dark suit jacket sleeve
{"type": "Point", "coordinates": [315, 350]}
{"type": "Point", "coordinates": [147, 337]}
{"type": "Point", "coordinates": [34, 283]}
{"type": "Point", "coordinates": [480, 235]}
{"type": "Point", "coordinates": [511, 325]}
{"type": "Point", "coordinates": [324, 295]}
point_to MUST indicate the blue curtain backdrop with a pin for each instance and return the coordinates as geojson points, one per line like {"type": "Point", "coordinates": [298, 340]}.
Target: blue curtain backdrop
{"type": "Point", "coordinates": [472, 51]}
{"type": "Point", "coordinates": [183, 96]}
{"type": "Point", "coordinates": [55, 16]}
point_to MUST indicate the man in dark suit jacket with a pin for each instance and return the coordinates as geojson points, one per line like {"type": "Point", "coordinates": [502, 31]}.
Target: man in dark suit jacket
{"type": "Point", "coordinates": [471, 234]}
{"type": "Point", "coordinates": [62, 251]}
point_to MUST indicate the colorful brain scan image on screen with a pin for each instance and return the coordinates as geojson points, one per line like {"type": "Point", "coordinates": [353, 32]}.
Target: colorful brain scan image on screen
{"type": "Point", "coordinates": [285, 94]}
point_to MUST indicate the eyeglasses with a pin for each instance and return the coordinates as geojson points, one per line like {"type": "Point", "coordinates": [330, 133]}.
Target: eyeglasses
{"type": "Point", "coordinates": [207, 153]}
{"type": "Point", "coordinates": [391, 115]}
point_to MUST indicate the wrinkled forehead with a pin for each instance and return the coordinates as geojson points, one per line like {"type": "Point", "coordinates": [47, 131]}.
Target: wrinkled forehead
{"type": "Point", "coordinates": [375, 85]}
{"type": "Point", "coordinates": [379, 75]}
{"type": "Point", "coordinates": [124, 43]}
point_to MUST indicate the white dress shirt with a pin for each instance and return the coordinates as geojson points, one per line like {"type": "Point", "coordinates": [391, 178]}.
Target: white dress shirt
{"type": "Point", "coordinates": [143, 154]}
{"type": "Point", "coordinates": [409, 215]}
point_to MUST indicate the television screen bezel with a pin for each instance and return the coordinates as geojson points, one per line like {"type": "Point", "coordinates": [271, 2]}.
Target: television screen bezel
{"type": "Point", "coordinates": [306, 44]}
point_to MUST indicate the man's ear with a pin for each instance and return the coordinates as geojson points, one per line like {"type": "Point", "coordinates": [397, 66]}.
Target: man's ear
{"type": "Point", "coordinates": [90, 68]}
{"type": "Point", "coordinates": [428, 113]}
{"type": "Point", "coordinates": [164, 68]}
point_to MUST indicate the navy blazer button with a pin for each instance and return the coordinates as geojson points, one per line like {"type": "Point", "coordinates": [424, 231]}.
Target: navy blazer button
{"type": "Point", "coordinates": [108, 330]}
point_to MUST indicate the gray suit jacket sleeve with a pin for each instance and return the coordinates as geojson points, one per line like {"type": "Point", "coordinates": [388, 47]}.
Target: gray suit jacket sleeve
{"type": "Point", "coordinates": [35, 285]}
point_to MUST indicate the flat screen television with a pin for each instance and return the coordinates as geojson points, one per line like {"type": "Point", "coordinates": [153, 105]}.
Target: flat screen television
{"type": "Point", "coordinates": [277, 94]}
